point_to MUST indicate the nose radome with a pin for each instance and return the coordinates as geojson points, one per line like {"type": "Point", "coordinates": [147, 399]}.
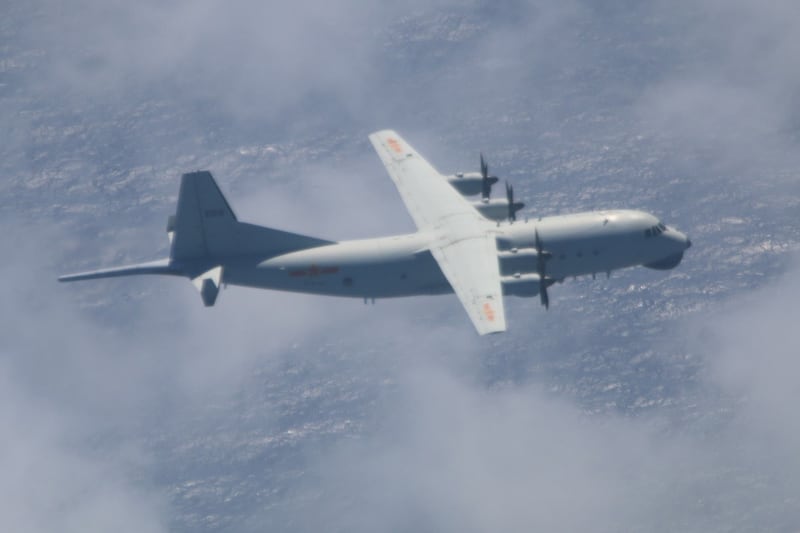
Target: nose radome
{"type": "Point", "coordinates": [688, 243]}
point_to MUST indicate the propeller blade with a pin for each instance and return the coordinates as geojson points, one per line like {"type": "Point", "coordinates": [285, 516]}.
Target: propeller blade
{"type": "Point", "coordinates": [541, 263]}
{"type": "Point", "coordinates": [487, 181]}
{"type": "Point", "coordinates": [512, 213]}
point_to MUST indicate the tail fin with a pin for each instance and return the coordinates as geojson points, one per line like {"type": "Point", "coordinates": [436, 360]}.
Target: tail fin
{"type": "Point", "coordinates": [205, 226]}
{"type": "Point", "coordinates": [203, 232]}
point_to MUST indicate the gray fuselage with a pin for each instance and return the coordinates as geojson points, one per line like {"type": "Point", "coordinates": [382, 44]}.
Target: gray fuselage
{"type": "Point", "coordinates": [387, 267]}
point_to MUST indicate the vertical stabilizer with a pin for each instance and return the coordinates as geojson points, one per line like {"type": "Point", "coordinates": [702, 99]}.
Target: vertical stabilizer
{"type": "Point", "coordinates": [205, 226]}
{"type": "Point", "coordinates": [203, 220]}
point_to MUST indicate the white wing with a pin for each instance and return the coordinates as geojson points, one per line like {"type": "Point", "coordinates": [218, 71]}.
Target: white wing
{"type": "Point", "coordinates": [429, 198]}
{"type": "Point", "coordinates": [462, 244]}
{"type": "Point", "coordinates": [470, 265]}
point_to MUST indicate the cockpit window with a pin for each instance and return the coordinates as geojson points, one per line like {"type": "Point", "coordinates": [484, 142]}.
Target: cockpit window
{"type": "Point", "coordinates": [653, 231]}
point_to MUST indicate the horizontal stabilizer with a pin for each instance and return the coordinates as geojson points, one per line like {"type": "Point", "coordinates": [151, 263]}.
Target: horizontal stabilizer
{"type": "Point", "coordinates": [153, 267]}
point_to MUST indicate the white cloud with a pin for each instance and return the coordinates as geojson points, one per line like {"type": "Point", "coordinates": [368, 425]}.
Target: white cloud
{"type": "Point", "coordinates": [730, 88]}
{"type": "Point", "coordinates": [53, 481]}
{"type": "Point", "coordinates": [756, 361]}
{"type": "Point", "coordinates": [450, 453]}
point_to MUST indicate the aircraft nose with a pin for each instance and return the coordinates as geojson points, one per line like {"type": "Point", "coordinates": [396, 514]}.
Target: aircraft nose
{"type": "Point", "coordinates": [682, 240]}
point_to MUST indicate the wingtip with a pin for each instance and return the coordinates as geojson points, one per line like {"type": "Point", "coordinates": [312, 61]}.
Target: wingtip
{"type": "Point", "coordinates": [382, 133]}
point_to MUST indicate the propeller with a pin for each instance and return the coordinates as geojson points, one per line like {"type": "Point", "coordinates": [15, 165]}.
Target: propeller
{"type": "Point", "coordinates": [487, 181]}
{"type": "Point", "coordinates": [541, 263]}
{"type": "Point", "coordinates": [512, 206]}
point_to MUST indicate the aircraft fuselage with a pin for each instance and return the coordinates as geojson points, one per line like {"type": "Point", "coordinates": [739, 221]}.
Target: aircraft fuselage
{"type": "Point", "coordinates": [474, 248]}
{"type": "Point", "coordinates": [387, 267]}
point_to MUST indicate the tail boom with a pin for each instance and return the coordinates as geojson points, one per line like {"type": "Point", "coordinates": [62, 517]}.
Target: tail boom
{"type": "Point", "coordinates": [161, 266]}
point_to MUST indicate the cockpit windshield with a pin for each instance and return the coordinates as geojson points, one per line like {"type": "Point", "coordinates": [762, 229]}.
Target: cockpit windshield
{"type": "Point", "coordinates": [653, 231]}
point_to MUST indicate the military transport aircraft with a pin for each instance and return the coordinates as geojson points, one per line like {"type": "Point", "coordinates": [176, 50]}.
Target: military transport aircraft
{"type": "Point", "coordinates": [477, 249]}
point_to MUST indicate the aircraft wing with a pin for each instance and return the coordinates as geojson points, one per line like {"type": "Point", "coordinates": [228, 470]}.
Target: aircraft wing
{"type": "Point", "coordinates": [429, 198]}
{"type": "Point", "coordinates": [470, 265]}
{"type": "Point", "coordinates": [462, 243]}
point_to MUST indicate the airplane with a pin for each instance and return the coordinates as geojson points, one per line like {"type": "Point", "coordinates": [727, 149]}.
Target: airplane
{"type": "Point", "coordinates": [476, 249]}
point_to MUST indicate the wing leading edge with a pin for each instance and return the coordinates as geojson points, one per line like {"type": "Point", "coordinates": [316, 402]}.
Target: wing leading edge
{"type": "Point", "coordinates": [461, 240]}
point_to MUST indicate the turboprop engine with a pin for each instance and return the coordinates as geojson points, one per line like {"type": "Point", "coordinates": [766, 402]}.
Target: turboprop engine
{"type": "Point", "coordinates": [500, 209]}
{"type": "Point", "coordinates": [525, 285]}
{"type": "Point", "coordinates": [517, 260]}
{"type": "Point", "coordinates": [469, 183]}
{"type": "Point", "coordinates": [473, 183]}
{"type": "Point", "coordinates": [494, 208]}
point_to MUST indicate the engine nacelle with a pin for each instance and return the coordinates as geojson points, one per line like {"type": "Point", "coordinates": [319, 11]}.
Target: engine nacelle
{"type": "Point", "coordinates": [467, 183]}
{"type": "Point", "coordinates": [517, 260]}
{"type": "Point", "coordinates": [493, 209]}
{"type": "Point", "coordinates": [524, 285]}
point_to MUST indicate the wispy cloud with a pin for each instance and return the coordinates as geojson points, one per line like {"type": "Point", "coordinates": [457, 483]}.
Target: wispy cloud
{"type": "Point", "coordinates": [453, 455]}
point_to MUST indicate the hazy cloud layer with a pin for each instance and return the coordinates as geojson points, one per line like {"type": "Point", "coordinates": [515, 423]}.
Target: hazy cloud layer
{"type": "Point", "coordinates": [731, 88]}
{"type": "Point", "coordinates": [451, 455]}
